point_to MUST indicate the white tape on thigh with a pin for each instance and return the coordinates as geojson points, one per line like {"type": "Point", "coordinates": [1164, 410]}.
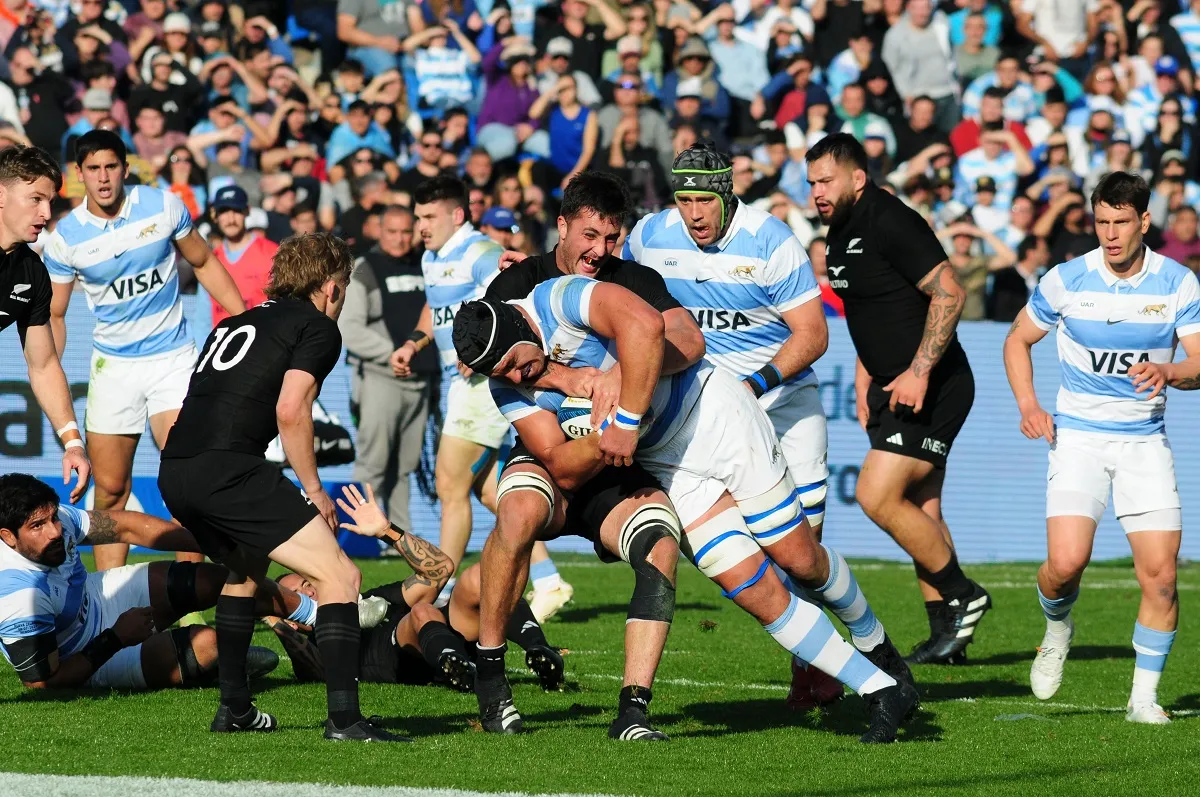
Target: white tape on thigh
{"type": "Point", "coordinates": [774, 514]}
{"type": "Point", "coordinates": [1072, 503]}
{"type": "Point", "coordinates": [526, 480]}
{"type": "Point", "coordinates": [719, 544]}
{"type": "Point", "coordinates": [814, 504]}
{"type": "Point", "coordinates": [643, 516]}
{"type": "Point", "coordinates": [1154, 520]}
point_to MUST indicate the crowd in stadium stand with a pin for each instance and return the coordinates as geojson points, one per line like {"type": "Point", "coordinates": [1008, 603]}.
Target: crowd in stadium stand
{"type": "Point", "coordinates": [994, 120]}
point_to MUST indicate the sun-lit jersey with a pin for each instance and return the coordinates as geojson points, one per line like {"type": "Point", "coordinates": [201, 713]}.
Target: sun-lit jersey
{"type": "Point", "coordinates": [559, 309]}
{"type": "Point", "coordinates": [1107, 324]}
{"type": "Point", "coordinates": [127, 267]}
{"type": "Point", "coordinates": [36, 599]}
{"type": "Point", "coordinates": [458, 272]}
{"type": "Point", "coordinates": [737, 289]}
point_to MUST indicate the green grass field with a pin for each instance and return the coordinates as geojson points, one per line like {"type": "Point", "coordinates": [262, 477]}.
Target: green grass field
{"type": "Point", "coordinates": [719, 695]}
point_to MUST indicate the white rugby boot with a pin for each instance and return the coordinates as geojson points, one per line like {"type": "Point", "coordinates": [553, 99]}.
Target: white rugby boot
{"type": "Point", "coordinates": [1046, 674]}
{"type": "Point", "coordinates": [1147, 713]}
{"type": "Point", "coordinates": [545, 603]}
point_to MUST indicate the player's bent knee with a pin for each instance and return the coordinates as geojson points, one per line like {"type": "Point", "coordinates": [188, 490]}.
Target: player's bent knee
{"type": "Point", "coordinates": [776, 513]}
{"type": "Point", "coordinates": [195, 654]}
{"type": "Point", "coordinates": [720, 543]}
{"type": "Point", "coordinates": [651, 528]}
{"type": "Point", "coordinates": [525, 498]}
{"type": "Point", "coordinates": [424, 613]}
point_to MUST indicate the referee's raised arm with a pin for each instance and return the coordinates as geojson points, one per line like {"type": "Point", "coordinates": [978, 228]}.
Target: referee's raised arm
{"type": "Point", "coordinates": [903, 301]}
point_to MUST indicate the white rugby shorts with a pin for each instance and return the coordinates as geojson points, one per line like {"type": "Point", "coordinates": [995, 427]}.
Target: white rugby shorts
{"type": "Point", "coordinates": [1140, 471]}
{"type": "Point", "coordinates": [124, 392]}
{"type": "Point", "coordinates": [471, 413]}
{"type": "Point", "coordinates": [799, 421]}
{"type": "Point", "coordinates": [725, 445]}
{"type": "Point", "coordinates": [112, 593]}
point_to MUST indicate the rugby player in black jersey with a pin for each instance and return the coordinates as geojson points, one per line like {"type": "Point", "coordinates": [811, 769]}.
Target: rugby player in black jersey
{"type": "Point", "coordinates": [622, 510]}
{"type": "Point", "coordinates": [257, 377]}
{"type": "Point", "coordinates": [913, 383]}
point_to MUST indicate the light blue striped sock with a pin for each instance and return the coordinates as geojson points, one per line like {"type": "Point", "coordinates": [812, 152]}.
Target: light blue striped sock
{"type": "Point", "coordinates": [544, 575]}
{"type": "Point", "coordinates": [842, 595]}
{"type": "Point", "coordinates": [1151, 648]}
{"type": "Point", "coordinates": [1058, 615]}
{"type": "Point", "coordinates": [306, 612]}
{"type": "Point", "coordinates": [806, 632]}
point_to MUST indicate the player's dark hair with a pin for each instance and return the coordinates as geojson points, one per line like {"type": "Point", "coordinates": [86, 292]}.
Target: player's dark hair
{"type": "Point", "coordinates": [95, 141]}
{"type": "Point", "coordinates": [1122, 190]}
{"type": "Point", "coordinates": [442, 189]}
{"type": "Point", "coordinates": [303, 263]}
{"type": "Point", "coordinates": [844, 148]}
{"type": "Point", "coordinates": [20, 496]}
{"type": "Point", "coordinates": [596, 192]}
{"type": "Point", "coordinates": [28, 164]}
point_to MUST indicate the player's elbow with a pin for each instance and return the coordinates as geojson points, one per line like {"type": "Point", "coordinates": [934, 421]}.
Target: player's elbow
{"type": "Point", "coordinates": [290, 412]}
{"type": "Point", "coordinates": [647, 324]}
{"type": "Point", "coordinates": [690, 342]}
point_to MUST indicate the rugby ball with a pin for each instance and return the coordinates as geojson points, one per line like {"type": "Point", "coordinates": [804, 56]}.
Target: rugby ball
{"type": "Point", "coordinates": [575, 418]}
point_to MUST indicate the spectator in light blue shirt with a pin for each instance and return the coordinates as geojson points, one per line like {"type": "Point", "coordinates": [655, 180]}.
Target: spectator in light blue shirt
{"type": "Point", "coordinates": [848, 65]}
{"type": "Point", "coordinates": [991, 14]}
{"type": "Point", "coordinates": [356, 132]}
{"type": "Point", "coordinates": [741, 67]}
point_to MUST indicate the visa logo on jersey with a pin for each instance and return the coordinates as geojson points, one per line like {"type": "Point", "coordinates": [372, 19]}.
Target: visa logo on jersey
{"type": "Point", "coordinates": [1116, 363]}
{"type": "Point", "coordinates": [137, 285]}
{"type": "Point", "coordinates": [720, 319]}
{"type": "Point", "coordinates": [444, 316]}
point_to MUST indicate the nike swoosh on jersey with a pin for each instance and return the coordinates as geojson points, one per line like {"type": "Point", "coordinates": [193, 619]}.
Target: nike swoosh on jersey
{"type": "Point", "coordinates": [1110, 322]}
{"type": "Point", "coordinates": [699, 281]}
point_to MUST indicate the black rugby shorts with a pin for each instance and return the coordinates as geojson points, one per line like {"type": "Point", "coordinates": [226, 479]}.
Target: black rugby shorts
{"type": "Point", "coordinates": [927, 436]}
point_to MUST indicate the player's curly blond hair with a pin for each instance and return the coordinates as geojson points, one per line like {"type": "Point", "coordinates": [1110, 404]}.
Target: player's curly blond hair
{"type": "Point", "coordinates": [306, 262]}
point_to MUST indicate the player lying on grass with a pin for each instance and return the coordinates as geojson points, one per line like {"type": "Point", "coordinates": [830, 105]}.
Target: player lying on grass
{"type": "Point", "coordinates": [63, 627]}
{"type": "Point", "coordinates": [710, 444]}
{"type": "Point", "coordinates": [416, 643]}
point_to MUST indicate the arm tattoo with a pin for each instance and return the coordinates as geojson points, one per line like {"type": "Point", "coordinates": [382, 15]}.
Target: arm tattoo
{"type": "Point", "coordinates": [1190, 383]}
{"type": "Point", "coordinates": [103, 529]}
{"type": "Point", "coordinates": [945, 307]}
{"type": "Point", "coordinates": [1013, 329]}
{"type": "Point", "coordinates": [428, 562]}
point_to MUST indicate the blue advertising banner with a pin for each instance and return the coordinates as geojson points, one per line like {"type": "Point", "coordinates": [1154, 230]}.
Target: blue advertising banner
{"type": "Point", "coordinates": [995, 486]}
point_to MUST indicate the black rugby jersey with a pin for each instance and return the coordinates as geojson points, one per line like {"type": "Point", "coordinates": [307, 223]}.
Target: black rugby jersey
{"type": "Point", "coordinates": [24, 290]}
{"type": "Point", "coordinates": [518, 280]}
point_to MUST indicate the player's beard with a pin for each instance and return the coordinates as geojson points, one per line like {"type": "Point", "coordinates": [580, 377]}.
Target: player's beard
{"type": "Point", "coordinates": [53, 554]}
{"type": "Point", "coordinates": [841, 210]}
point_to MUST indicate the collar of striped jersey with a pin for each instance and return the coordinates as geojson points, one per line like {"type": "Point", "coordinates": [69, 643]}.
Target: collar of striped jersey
{"type": "Point", "coordinates": [460, 235]}
{"type": "Point", "coordinates": [1151, 263]}
{"type": "Point", "coordinates": [131, 199]}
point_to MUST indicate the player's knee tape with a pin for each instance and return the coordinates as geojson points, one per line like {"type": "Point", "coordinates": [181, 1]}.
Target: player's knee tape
{"type": "Point", "coordinates": [774, 514]}
{"type": "Point", "coordinates": [526, 481]}
{"type": "Point", "coordinates": [720, 543]}
{"type": "Point", "coordinates": [1154, 520]}
{"type": "Point", "coordinates": [181, 587]}
{"type": "Point", "coordinates": [812, 496]}
{"type": "Point", "coordinates": [190, 672]}
{"type": "Point", "coordinates": [653, 594]}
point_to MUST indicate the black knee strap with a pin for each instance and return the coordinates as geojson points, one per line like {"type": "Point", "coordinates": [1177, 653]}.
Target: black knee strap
{"type": "Point", "coordinates": [190, 672]}
{"type": "Point", "coordinates": [653, 594]}
{"type": "Point", "coordinates": [181, 587]}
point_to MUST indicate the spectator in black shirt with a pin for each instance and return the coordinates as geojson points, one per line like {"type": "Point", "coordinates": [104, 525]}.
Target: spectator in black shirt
{"type": "Point", "coordinates": [171, 88]}
{"type": "Point", "coordinates": [637, 166]}
{"type": "Point", "coordinates": [1064, 225]}
{"type": "Point", "coordinates": [589, 41]}
{"type": "Point", "coordinates": [1011, 287]}
{"type": "Point", "coordinates": [427, 167]}
{"type": "Point", "coordinates": [45, 96]}
{"type": "Point", "coordinates": [920, 131]}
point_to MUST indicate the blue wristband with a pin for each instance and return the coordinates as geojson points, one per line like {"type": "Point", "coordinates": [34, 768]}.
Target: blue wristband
{"type": "Point", "coordinates": [623, 419]}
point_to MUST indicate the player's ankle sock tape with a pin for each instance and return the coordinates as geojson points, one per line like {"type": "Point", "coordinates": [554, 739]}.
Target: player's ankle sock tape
{"type": "Point", "coordinates": [306, 612]}
{"type": "Point", "coordinates": [181, 587]}
{"type": "Point", "coordinates": [339, 638]}
{"type": "Point", "coordinates": [190, 672]}
{"type": "Point", "coordinates": [490, 663]}
{"type": "Point", "coordinates": [633, 696]}
{"type": "Point", "coordinates": [950, 582]}
{"type": "Point", "coordinates": [436, 639]}
{"type": "Point", "coordinates": [1057, 609]}
{"type": "Point", "coordinates": [523, 627]}
{"type": "Point", "coordinates": [235, 628]}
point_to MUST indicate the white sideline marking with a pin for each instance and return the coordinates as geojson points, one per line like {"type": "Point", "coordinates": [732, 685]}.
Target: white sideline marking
{"type": "Point", "coordinates": [1183, 712]}
{"type": "Point", "coordinates": [19, 785]}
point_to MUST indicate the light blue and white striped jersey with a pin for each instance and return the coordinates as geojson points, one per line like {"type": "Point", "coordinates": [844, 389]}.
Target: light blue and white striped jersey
{"type": "Point", "coordinates": [559, 309]}
{"type": "Point", "coordinates": [738, 288]}
{"type": "Point", "coordinates": [975, 164]}
{"type": "Point", "coordinates": [1188, 27]}
{"type": "Point", "coordinates": [127, 267]}
{"type": "Point", "coordinates": [1141, 111]}
{"type": "Point", "coordinates": [443, 76]}
{"type": "Point", "coordinates": [1107, 324]}
{"type": "Point", "coordinates": [36, 599]}
{"type": "Point", "coordinates": [459, 272]}
{"type": "Point", "coordinates": [1019, 104]}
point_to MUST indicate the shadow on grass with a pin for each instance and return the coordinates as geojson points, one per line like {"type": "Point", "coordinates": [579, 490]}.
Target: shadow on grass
{"type": "Point", "coordinates": [848, 717]}
{"type": "Point", "coordinates": [1078, 653]}
{"type": "Point", "coordinates": [940, 691]}
{"type": "Point", "coordinates": [1186, 703]}
{"type": "Point", "coordinates": [584, 613]}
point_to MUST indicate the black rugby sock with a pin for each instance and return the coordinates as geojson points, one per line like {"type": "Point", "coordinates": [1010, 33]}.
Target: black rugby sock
{"type": "Point", "coordinates": [338, 637]}
{"type": "Point", "coordinates": [523, 627]}
{"type": "Point", "coordinates": [933, 609]}
{"type": "Point", "coordinates": [235, 627]}
{"type": "Point", "coordinates": [435, 639]}
{"type": "Point", "coordinates": [490, 663]}
{"type": "Point", "coordinates": [637, 697]}
{"type": "Point", "coordinates": [950, 581]}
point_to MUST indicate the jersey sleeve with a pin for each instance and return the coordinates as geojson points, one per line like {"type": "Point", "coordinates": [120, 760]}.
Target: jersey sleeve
{"type": "Point", "coordinates": [317, 350]}
{"type": "Point", "coordinates": [57, 256]}
{"type": "Point", "coordinates": [648, 284]}
{"type": "Point", "coordinates": [76, 522]}
{"type": "Point", "coordinates": [1044, 305]}
{"type": "Point", "coordinates": [789, 276]}
{"type": "Point", "coordinates": [908, 243]}
{"type": "Point", "coordinates": [25, 607]}
{"type": "Point", "coordinates": [1187, 316]}
{"type": "Point", "coordinates": [177, 215]}
{"type": "Point", "coordinates": [486, 266]}
{"type": "Point", "coordinates": [514, 403]}
{"type": "Point", "coordinates": [39, 301]}
{"type": "Point", "coordinates": [633, 242]}
{"type": "Point", "coordinates": [570, 301]}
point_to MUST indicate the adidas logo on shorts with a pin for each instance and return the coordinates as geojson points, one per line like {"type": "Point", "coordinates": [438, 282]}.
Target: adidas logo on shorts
{"type": "Point", "coordinates": [896, 439]}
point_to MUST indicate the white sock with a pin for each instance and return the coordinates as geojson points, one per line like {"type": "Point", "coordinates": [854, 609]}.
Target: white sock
{"type": "Point", "coordinates": [1058, 632]}
{"type": "Point", "coordinates": [1145, 686]}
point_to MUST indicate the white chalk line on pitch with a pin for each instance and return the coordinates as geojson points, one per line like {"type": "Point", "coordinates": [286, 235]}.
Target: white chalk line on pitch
{"type": "Point", "coordinates": [22, 785]}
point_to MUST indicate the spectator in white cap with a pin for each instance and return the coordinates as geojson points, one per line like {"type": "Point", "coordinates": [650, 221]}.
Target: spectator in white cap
{"type": "Point", "coordinates": [630, 59]}
{"type": "Point", "coordinates": [178, 43]}
{"type": "Point", "coordinates": [97, 105]}
{"type": "Point", "coordinates": [558, 63]}
{"type": "Point", "coordinates": [693, 60]}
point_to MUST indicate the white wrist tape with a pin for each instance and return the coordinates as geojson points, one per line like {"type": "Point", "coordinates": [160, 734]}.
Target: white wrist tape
{"type": "Point", "coordinates": [70, 427]}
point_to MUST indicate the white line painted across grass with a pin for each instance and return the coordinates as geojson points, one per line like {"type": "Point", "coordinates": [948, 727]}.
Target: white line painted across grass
{"type": "Point", "coordinates": [19, 785]}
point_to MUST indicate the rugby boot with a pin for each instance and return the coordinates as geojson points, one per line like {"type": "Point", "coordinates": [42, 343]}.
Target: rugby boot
{"type": "Point", "coordinates": [812, 688]}
{"type": "Point", "coordinates": [361, 731]}
{"type": "Point", "coordinates": [889, 707]}
{"type": "Point", "coordinates": [887, 658]}
{"type": "Point", "coordinates": [1147, 713]}
{"type": "Point", "coordinates": [253, 721]}
{"type": "Point", "coordinates": [545, 603]}
{"type": "Point", "coordinates": [547, 664]}
{"type": "Point", "coordinates": [456, 671]}
{"type": "Point", "coordinates": [497, 714]}
{"type": "Point", "coordinates": [1046, 673]}
{"type": "Point", "coordinates": [632, 725]}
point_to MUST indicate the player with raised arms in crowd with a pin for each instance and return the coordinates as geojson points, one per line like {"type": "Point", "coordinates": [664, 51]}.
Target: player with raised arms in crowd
{"type": "Point", "coordinates": [709, 443]}
{"type": "Point", "coordinates": [29, 180]}
{"type": "Point", "coordinates": [622, 511]}
{"type": "Point", "coordinates": [746, 279]}
{"type": "Point", "coordinates": [62, 627]}
{"type": "Point", "coordinates": [257, 377]}
{"type": "Point", "coordinates": [913, 384]}
{"type": "Point", "coordinates": [1119, 312]}
{"type": "Point", "coordinates": [122, 246]}
{"type": "Point", "coordinates": [459, 263]}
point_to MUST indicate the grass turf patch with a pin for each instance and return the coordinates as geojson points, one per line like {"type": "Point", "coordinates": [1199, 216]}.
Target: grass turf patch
{"type": "Point", "coordinates": [719, 696]}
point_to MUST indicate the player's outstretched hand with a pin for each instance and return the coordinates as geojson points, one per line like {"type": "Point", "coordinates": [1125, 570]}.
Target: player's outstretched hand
{"type": "Point", "coordinates": [368, 517]}
{"type": "Point", "coordinates": [511, 256]}
{"type": "Point", "coordinates": [908, 389]}
{"type": "Point", "coordinates": [75, 459]}
{"type": "Point", "coordinates": [1150, 376]}
{"type": "Point", "coordinates": [617, 445]}
{"type": "Point", "coordinates": [1036, 422]}
{"type": "Point", "coordinates": [135, 626]}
